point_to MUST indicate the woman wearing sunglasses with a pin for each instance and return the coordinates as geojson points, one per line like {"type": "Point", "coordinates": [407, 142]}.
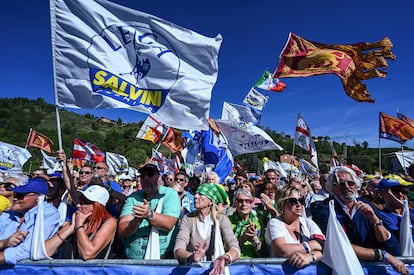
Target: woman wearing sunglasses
{"type": "Point", "coordinates": [246, 225]}
{"type": "Point", "coordinates": [292, 236]}
{"type": "Point", "coordinates": [92, 230]}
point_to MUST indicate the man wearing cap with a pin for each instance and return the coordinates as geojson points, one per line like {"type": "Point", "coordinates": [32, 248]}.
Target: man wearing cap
{"type": "Point", "coordinates": [394, 194]}
{"type": "Point", "coordinates": [17, 224]}
{"type": "Point", "coordinates": [370, 240]}
{"type": "Point", "coordinates": [155, 206]}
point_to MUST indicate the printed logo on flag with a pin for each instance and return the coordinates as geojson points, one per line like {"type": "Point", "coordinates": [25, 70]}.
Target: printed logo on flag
{"type": "Point", "coordinates": [144, 81]}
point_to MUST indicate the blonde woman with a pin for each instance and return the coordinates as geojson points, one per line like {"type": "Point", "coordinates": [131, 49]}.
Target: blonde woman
{"type": "Point", "coordinates": [292, 236]}
{"type": "Point", "coordinates": [205, 229]}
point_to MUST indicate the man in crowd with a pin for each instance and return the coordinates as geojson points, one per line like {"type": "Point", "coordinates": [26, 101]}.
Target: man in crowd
{"type": "Point", "coordinates": [17, 224]}
{"type": "Point", "coordinates": [370, 240]}
{"type": "Point", "coordinates": [100, 170]}
{"type": "Point", "coordinates": [155, 206]}
{"type": "Point", "coordinates": [187, 199]}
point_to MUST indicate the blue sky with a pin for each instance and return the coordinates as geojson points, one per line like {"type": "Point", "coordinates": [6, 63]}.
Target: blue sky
{"type": "Point", "coordinates": [254, 33]}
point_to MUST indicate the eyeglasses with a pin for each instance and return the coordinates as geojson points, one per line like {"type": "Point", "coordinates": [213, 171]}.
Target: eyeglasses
{"type": "Point", "coordinates": [343, 182]}
{"type": "Point", "coordinates": [85, 172]}
{"type": "Point", "coordinates": [296, 201]}
{"type": "Point", "coordinates": [179, 179]}
{"type": "Point", "coordinates": [247, 201]}
{"type": "Point", "coordinates": [147, 173]}
{"type": "Point", "coordinates": [99, 167]}
{"type": "Point", "coordinates": [21, 196]}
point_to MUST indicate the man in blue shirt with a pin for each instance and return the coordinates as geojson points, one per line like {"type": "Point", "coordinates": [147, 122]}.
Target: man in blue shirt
{"type": "Point", "coordinates": [17, 224]}
{"type": "Point", "coordinates": [370, 240]}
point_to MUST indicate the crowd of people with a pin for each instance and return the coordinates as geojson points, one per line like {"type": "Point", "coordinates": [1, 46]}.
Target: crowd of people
{"type": "Point", "coordinates": [89, 214]}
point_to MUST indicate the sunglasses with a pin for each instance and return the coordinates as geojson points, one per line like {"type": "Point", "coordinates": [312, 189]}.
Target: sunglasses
{"type": "Point", "coordinates": [148, 173]}
{"type": "Point", "coordinates": [86, 172]}
{"type": "Point", "coordinates": [99, 167]}
{"type": "Point", "coordinates": [247, 201]}
{"type": "Point", "coordinates": [343, 182]}
{"type": "Point", "coordinates": [6, 184]}
{"type": "Point", "coordinates": [296, 201]}
{"type": "Point", "coordinates": [179, 179]}
{"type": "Point", "coordinates": [21, 196]}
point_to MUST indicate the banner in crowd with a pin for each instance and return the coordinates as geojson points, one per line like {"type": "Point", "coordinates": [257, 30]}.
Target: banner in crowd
{"type": "Point", "coordinates": [394, 129]}
{"type": "Point", "coordinates": [85, 150]}
{"type": "Point", "coordinates": [12, 157]}
{"type": "Point", "coordinates": [37, 140]}
{"type": "Point", "coordinates": [116, 163]}
{"type": "Point", "coordinates": [110, 56]}
{"type": "Point", "coordinates": [243, 138]}
{"type": "Point", "coordinates": [352, 63]}
{"type": "Point", "coordinates": [237, 113]}
{"type": "Point", "coordinates": [303, 138]}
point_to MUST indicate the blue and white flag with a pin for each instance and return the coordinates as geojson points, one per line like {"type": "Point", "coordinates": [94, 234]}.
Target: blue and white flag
{"type": "Point", "coordinates": [243, 138]}
{"type": "Point", "coordinates": [51, 164]}
{"type": "Point", "coordinates": [109, 56]}
{"type": "Point", "coordinates": [12, 157]}
{"type": "Point", "coordinates": [237, 113]}
{"type": "Point", "coordinates": [338, 252]}
{"type": "Point", "coordinates": [255, 100]}
{"type": "Point", "coordinates": [117, 163]}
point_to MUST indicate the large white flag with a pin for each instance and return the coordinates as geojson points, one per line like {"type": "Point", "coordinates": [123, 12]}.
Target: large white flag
{"type": "Point", "coordinates": [406, 237]}
{"type": "Point", "coordinates": [109, 56]}
{"type": "Point", "coordinates": [243, 138]}
{"type": "Point", "coordinates": [117, 163]}
{"type": "Point", "coordinates": [12, 157]}
{"type": "Point", "coordinates": [237, 113]}
{"type": "Point", "coordinates": [303, 138]}
{"type": "Point", "coordinates": [338, 252]}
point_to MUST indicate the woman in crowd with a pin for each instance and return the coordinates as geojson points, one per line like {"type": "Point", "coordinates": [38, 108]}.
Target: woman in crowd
{"type": "Point", "coordinates": [246, 225]}
{"type": "Point", "coordinates": [205, 233]}
{"type": "Point", "coordinates": [267, 209]}
{"type": "Point", "coordinates": [247, 185]}
{"type": "Point", "coordinates": [92, 230]}
{"type": "Point", "coordinates": [292, 236]}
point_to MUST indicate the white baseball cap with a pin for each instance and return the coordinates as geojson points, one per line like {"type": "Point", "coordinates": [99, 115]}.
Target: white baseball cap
{"type": "Point", "coordinates": [96, 193]}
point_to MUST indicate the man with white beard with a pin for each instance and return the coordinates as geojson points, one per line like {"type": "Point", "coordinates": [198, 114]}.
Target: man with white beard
{"type": "Point", "coordinates": [370, 240]}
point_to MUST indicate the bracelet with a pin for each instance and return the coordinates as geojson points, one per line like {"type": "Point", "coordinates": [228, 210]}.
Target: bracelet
{"type": "Point", "coordinates": [60, 237]}
{"type": "Point", "coordinates": [78, 228]}
{"type": "Point", "coordinates": [230, 257]}
{"type": "Point", "coordinates": [384, 255]}
{"type": "Point", "coordinates": [379, 223]}
{"type": "Point", "coordinates": [307, 247]}
{"type": "Point", "coordinates": [379, 256]}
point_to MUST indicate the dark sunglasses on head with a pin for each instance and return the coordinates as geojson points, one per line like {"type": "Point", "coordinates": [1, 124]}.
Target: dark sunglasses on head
{"type": "Point", "coordinates": [296, 201]}
{"type": "Point", "coordinates": [247, 201]}
{"type": "Point", "coordinates": [84, 172]}
{"type": "Point", "coordinates": [399, 189]}
{"type": "Point", "coordinates": [343, 182]}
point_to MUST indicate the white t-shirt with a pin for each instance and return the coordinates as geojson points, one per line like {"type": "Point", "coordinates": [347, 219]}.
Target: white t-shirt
{"type": "Point", "coordinates": [277, 229]}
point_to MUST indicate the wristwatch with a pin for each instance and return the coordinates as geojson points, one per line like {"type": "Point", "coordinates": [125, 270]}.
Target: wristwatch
{"type": "Point", "coordinates": [150, 216]}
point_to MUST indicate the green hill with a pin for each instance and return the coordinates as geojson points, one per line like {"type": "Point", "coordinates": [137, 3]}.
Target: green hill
{"type": "Point", "coordinates": [18, 115]}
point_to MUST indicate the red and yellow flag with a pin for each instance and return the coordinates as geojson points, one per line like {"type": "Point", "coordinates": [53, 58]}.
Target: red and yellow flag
{"type": "Point", "coordinates": [395, 129]}
{"type": "Point", "coordinates": [37, 140]}
{"type": "Point", "coordinates": [352, 63]}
